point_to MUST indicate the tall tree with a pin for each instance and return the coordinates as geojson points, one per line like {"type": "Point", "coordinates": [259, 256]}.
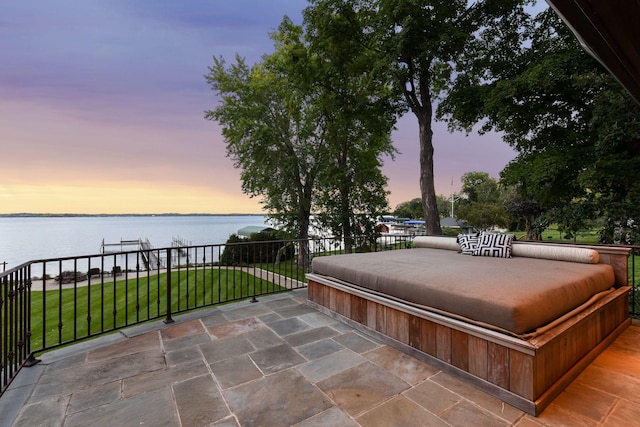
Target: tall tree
{"type": "Point", "coordinates": [527, 211]}
{"type": "Point", "coordinates": [413, 208]}
{"type": "Point", "coordinates": [410, 209]}
{"type": "Point", "coordinates": [308, 130]}
{"type": "Point", "coordinates": [273, 132]}
{"type": "Point", "coordinates": [576, 131]}
{"type": "Point", "coordinates": [482, 205]}
{"type": "Point", "coordinates": [479, 187]}
{"type": "Point", "coordinates": [354, 102]}
{"type": "Point", "coordinates": [419, 45]}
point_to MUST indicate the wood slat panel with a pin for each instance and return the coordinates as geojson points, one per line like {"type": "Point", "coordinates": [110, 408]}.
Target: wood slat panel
{"type": "Point", "coordinates": [622, 309]}
{"type": "Point", "coordinates": [397, 325]}
{"type": "Point", "coordinates": [428, 338]}
{"type": "Point", "coordinates": [314, 292]}
{"type": "Point", "coordinates": [589, 337]}
{"type": "Point", "coordinates": [358, 309]}
{"type": "Point", "coordinates": [311, 287]}
{"type": "Point", "coordinates": [544, 376]}
{"type": "Point", "coordinates": [345, 308]}
{"type": "Point", "coordinates": [521, 374]}
{"type": "Point", "coordinates": [324, 295]}
{"type": "Point", "coordinates": [415, 332]}
{"type": "Point", "coordinates": [498, 368]}
{"type": "Point", "coordinates": [403, 327]}
{"type": "Point", "coordinates": [541, 379]}
{"type": "Point", "coordinates": [460, 349]}
{"type": "Point", "coordinates": [443, 343]}
{"type": "Point", "coordinates": [600, 324]}
{"type": "Point", "coordinates": [570, 354]}
{"type": "Point", "coordinates": [392, 322]}
{"type": "Point", "coordinates": [372, 311]}
{"type": "Point", "coordinates": [381, 319]}
{"type": "Point", "coordinates": [333, 299]}
{"type": "Point", "coordinates": [478, 349]}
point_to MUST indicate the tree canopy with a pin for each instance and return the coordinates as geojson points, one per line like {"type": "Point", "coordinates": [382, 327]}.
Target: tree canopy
{"type": "Point", "coordinates": [355, 105]}
{"type": "Point", "coordinates": [307, 131]}
{"type": "Point", "coordinates": [482, 203]}
{"type": "Point", "coordinates": [576, 131]}
{"type": "Point", "coordinates": [310, 124]}
{"type": "Point", "coordinates": [419, 46]}
{"type": "Point", "coordinates": [271, 132]}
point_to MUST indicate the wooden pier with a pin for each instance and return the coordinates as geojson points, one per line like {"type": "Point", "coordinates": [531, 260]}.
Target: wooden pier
{"type": "Point", "coordinates": [149, 256]}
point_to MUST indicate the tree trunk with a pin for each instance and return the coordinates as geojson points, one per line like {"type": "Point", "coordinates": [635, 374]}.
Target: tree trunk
{"type": "Point", "coordinates": [345, 208]}
{"type": "Point", "coordinates": [427, 188]}
{"type": "Point", "coordinates": [345, 212]}
{"type": "Point", "coordinates": [303, 243]}
{"type": "Point", "coordinates": [304, 221]}
{"type": "Point", "coordinates": [528, 228]}
{"type": "Point", "coordinates": [347, 233]}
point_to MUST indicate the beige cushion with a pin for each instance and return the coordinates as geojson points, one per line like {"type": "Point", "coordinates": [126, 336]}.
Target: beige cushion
{"type": "Point", "coordinates": [520, 249]}
{"type": "Point", "coordinates": [436, 242]}
{"type": "Point", "coordinates": [555, 252]}
{"type": "Point", "coordinates": [517, 294]}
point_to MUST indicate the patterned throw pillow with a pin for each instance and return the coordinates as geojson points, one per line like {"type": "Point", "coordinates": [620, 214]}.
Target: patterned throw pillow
{"type": "Point", "coordinates": [468, 243]}
{"type": "Point", "coordinates": [494, 245]}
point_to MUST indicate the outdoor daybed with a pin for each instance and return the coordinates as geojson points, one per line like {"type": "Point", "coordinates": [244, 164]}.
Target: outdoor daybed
{"type": "Point", "coordinates": [520, 324]}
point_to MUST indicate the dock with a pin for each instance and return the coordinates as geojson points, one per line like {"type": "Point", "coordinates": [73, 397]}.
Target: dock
{"type": "Point", "coordinates": [149, 256]}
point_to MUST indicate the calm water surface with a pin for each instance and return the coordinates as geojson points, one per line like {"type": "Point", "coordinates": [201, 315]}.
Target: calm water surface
{"type": "Point", "coordinates": [26, 239]}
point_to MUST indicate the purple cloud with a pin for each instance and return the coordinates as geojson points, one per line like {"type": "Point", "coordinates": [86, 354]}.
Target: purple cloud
{"type": "Point", "coordinates": [115, 88]}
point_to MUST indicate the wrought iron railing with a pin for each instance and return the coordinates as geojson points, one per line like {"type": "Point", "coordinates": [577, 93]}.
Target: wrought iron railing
{"type": "Point", "coordinates": [15, 323]}
{"type": "Point", "coordinates": [634, 282]}
{"type": "Point", "coordinates": [50, 303]}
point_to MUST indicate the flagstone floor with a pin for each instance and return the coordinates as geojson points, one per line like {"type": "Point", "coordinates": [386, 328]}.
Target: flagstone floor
{"type": "Point", "coordinates": [278, 362]}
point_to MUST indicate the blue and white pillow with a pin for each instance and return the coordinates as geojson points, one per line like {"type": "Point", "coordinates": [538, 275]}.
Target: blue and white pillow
{"type": "Point", "coordinates": [494, 245]}
{"type": "Point", "coordinates": [468, 243]}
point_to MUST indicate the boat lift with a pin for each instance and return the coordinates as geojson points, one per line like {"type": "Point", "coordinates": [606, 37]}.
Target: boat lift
{"type": "Point", "coordinates": [149, 256]}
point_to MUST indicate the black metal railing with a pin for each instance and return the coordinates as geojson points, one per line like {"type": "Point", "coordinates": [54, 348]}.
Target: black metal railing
{"type": "Point", "coordinates": [634, 282]}
{"type": "Point", "coordinates": [49, 303]}
{"type": "Point", "coordinates": [15, 322]}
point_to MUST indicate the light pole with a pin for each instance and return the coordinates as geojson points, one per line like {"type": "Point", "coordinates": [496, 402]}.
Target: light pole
{"type": "Point", "coordinates": [453, 199]}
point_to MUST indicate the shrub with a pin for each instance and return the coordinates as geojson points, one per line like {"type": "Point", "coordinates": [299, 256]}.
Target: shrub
{"type": "Point", "coordinates": [261, 247]}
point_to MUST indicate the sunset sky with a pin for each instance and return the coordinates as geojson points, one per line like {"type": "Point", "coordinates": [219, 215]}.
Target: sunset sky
{"type": "Point", "coordinates": [102, 104]}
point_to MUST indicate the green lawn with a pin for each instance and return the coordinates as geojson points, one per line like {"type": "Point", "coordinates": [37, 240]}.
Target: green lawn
{"type": "Point", "coordinates": [551, 234]}
{"type": "Point", "coordinates": [60, 317]}
{"type": "Point", "coordinates": [287, 268]}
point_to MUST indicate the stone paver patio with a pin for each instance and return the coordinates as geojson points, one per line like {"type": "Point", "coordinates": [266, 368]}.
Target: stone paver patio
{"type": "Point", "coordinates": [278, 362]}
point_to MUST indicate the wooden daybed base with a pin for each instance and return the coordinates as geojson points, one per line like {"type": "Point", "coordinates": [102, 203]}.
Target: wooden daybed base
{"type": "Point", "coordinates": [527, 374]}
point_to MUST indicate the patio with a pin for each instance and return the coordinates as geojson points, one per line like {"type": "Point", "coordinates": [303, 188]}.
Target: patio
{"type": "Point", "coordinates": [278, 362]}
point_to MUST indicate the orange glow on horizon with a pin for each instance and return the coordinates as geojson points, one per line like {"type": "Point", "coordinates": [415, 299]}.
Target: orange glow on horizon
{"type": "Point", "coordinates": [107, 198]}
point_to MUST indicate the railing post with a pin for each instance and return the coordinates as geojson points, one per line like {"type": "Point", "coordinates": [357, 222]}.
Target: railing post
{"type": "Point", "coordinates": [634, 287]}
{"type": "Point", "coordinates": [168, 319]}
{"type": "Point", "coordinates": [31, 359]}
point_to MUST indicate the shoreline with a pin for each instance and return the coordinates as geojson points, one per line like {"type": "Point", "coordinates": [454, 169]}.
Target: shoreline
{"type": "Point", "coordinates": [52, 285]}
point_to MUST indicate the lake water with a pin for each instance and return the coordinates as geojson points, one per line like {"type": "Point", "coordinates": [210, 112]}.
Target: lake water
{"type": "Point", "coordinates": [25, 239]}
